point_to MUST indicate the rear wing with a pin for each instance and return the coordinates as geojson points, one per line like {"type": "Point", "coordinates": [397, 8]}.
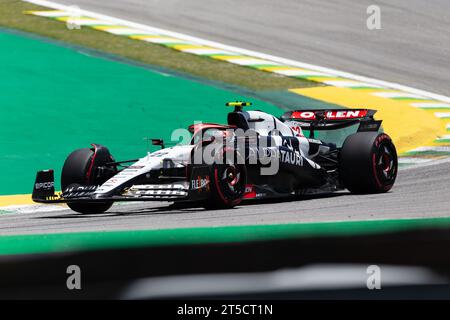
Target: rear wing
{"type": "Point", "coordinates": [331, 119]}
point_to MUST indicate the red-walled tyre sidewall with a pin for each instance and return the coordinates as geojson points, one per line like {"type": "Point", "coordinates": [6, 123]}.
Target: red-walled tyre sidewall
{"type": "Point", "coordinates": [368, 163]}
{"type": "Point", "coordinates": [222, 196]}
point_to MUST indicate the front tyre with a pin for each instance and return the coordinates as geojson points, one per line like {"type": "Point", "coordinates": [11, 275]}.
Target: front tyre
{"type": "Point", "coordinates": [79, 169]}
{"type": "Point", "coordinates": [227, 184]}
{"type": "Point", "coordinates": [368, 162]}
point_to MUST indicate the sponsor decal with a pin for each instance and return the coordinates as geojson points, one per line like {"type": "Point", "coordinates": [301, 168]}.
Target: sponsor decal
{"type": "Point", "coordinates": [202, 182]}
{"type": "Point", "coordinates": [305, 115]}
{"type": "Point", "coordinates": [250, 192]}
{"type": "Point", "coordinates": [261, 195]}
{"type": "Point", "coordinates": [159, 153]}
{"type": "Point", "coordinates": [345, 114]}
{"type": "Point", "coordinates": [53, 198]}
{"type": "Point", "coordinates": [134, 167]}
{"type": "Point", "coordinates": [44, 185]}
{"type": "Point", "coordinates": [78, 191]}
{"type": "Point", "coordinates": [289, 157]}
{"type": "Point", "coordinates": [156, 193]}
{"type": "Point", "coordinates": [314, 141]}
{"type": "Point", "coordinates": [330, 115]}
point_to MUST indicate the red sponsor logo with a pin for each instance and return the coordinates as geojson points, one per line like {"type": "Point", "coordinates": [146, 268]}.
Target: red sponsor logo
{"type": "Point", "coordinates": [304, 115]}
{"type": "Point", "coordinates": [200, 183]}
{"type": "Point", "coordinates": [330, 115]}
{"type": "Point", "coordinates": [250, 192]}
{"type": "Point", "coordinates": [345, 114]}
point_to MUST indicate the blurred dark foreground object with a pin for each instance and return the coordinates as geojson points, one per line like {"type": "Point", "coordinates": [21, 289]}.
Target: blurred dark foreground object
{"type": "Point", "coordinates": [414, 265]}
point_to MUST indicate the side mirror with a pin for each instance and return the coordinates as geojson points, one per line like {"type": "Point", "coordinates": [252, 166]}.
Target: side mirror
{"type": "Point", "coordinates": [158, 142]}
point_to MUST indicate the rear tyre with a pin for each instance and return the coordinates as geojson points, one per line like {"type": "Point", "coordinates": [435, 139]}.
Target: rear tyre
{"type": "Point", "coordinates": [368, 162]}
{"type": "Point", "coordinates": [78, 170]}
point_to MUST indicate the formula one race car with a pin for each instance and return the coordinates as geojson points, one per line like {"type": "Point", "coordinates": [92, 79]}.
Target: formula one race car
{"type": "Point", "coordinates": [254, 156]}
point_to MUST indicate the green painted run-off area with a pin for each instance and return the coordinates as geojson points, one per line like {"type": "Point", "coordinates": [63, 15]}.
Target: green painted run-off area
{"type": "Point", "coordinates": [54, 99]}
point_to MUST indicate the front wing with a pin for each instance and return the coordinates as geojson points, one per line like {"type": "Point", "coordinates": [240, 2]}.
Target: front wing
{"type": "Point", "coordinates": [196, 189]}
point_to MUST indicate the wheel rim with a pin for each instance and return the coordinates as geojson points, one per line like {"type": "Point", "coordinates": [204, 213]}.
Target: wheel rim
{"type": "Point", "coordinates": [232, 181]}
{"type": "Point", "coordinates": [231, 176]}
{"type": "Point", "coordinates": [386, 163]}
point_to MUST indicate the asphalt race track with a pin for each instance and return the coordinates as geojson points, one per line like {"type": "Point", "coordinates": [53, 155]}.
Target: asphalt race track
{"type": "Point", "coordinates": [421, 192]}
{"type": "Point", "coordinates": [412, 49]}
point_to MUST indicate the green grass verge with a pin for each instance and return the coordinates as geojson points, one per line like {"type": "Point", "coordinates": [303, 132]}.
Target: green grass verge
{"type": "Point", "coordinates": [81, 97]}
{"type": "Point", "coordinates": [12, 16]}
{"type": "Point", "coordinates": [81, 241]}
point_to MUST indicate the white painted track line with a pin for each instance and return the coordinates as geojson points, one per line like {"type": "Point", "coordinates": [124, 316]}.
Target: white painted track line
{"type": "Point", "coordinates": [242, 51]}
